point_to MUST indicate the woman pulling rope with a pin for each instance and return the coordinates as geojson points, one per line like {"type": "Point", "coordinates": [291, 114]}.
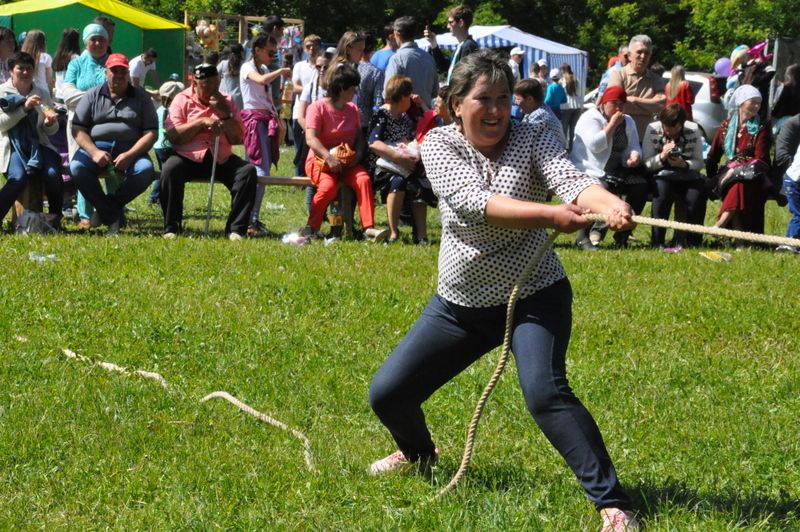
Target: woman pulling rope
{"type": "Point", "coordinates": [492, 179]}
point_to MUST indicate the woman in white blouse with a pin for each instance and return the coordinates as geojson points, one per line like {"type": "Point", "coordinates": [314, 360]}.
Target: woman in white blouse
{"type": "Point", "coordinates": [492, 178]}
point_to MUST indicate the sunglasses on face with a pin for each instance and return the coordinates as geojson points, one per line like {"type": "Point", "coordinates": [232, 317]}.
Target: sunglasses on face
{"type": "Point", "coordinates": [272, 53]}
{"type": "Point", "coordinates": [321, 67]}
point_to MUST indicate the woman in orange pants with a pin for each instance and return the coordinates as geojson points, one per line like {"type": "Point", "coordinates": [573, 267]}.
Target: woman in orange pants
{"type": "Point", "coordinates": [336, 144]}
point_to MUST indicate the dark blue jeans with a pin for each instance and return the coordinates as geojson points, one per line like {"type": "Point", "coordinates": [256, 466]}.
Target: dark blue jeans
{"type": "Point", "coordinates": [792, 190]}
{"type": "Point", "coordinates": [447, 338]}
{"type": "Point", "coordinates": [162, 154]}
{"type": "Point", "coordinates": [50, 174]}
{"type": "Point", "coordinates": [689, 198]}
{"type": "Point", "coordinates": [135, 180]}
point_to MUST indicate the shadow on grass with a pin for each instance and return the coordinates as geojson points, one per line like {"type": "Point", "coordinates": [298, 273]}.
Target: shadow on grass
{"type": "Point", "coordinates": [486, 478]}
{"type": "Point", "coordinates": [649, 500]}
{"type": "Point", "coordinates": [748, 509]}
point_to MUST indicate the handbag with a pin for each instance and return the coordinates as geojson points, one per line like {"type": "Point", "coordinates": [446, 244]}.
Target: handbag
{"type": "Point", "coordinates": [392, 167]}
{"type": "Point", "coordinates": [751, 171]}
{"type": "Point", "coordinates": [410, 148]}
{"type": "Point", "coordinates": [343, 152]}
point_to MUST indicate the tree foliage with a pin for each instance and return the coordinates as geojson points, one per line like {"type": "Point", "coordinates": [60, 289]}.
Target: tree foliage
{"type": "Point", "coordinates": [691, 32]}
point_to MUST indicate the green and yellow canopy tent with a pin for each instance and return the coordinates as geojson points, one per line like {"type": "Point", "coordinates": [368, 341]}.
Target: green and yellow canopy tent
{"type": "Point", "coordinates": [136, 30]}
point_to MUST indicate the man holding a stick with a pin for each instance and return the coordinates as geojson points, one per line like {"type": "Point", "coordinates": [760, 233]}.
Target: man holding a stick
{"type": "Point", "coordinates": [203, 124]}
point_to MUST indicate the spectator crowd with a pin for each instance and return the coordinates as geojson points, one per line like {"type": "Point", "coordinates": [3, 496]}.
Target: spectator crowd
{"type": "Point", "coordinates": [358, 119]}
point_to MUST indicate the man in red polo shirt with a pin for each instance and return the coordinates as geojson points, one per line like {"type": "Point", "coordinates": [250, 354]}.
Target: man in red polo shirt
{"type": "Point", "coordinates": [197, 116]}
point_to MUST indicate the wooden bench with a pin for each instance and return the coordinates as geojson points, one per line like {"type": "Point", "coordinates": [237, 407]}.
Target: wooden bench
{"type": "Point", "coordinates": [32, 197]}
{"type": "Point", "coordinates": [295, 181]}
{"type": "Point", "coordinates": [348, 199]}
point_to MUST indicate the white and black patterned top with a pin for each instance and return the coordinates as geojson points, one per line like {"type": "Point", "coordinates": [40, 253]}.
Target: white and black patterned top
{"type": "Point", "coordinates": [546, 115]}
{"type": "Point", "coordinates": [479, 263]}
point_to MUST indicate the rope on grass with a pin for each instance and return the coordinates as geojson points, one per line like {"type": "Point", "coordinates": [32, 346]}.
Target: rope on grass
{"type": "Point", "coordinates": [714, 231]}
{"type": "Point", "coordinates": [110, 366]}
{"type": "Point", "coordinates": [267, 419]}
{"type": "Point", "coordinates": [469, 446]}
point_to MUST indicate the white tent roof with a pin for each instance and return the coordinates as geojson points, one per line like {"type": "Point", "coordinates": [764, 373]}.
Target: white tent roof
{"type": "Point", "coordinates": [535, 47]}
{"type": "Point", "coordinates": [510, 34]}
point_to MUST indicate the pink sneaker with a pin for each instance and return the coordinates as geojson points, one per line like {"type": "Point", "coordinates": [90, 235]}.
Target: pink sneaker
{"type": "Point", "coordinates": [616, 520]}
{"type": "Point", "coordinates": [397, 461]}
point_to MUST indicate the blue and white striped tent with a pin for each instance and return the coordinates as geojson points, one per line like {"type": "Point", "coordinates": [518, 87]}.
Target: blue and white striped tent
{"type": "Point", "coordinates": [536, 48]}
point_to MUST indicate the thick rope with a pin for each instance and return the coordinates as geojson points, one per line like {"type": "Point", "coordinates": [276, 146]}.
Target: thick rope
{"type": "Point", "coordinates": [469, 446]}
{"type": "Point", "coordinates": [267, 419]}
{"type": "Point", "coordinates": [110, 366]}
{"type": "Point", "coordinates": [714, 231]}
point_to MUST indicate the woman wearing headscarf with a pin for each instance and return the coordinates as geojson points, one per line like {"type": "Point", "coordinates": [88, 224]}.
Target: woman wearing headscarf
{"type": "Point", "coordinates": [83, 73]}
{"type": "Point", "coordinates": [742, 182]}
{"type": "Point", "coordinates": [606, 146]}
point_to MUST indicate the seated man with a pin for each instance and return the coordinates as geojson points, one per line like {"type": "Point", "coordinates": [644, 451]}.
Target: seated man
{"type": "Point", "coordinates": [197, 116]}
{"type": "Point", "coordinates": [115, 126]}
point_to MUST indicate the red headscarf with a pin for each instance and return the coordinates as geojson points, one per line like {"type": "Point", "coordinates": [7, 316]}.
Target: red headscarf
{"type": "Point", "coordinates": [614, 94]}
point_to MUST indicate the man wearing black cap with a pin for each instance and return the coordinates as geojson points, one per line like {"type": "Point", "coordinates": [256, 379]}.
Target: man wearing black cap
{"type": "Point", "coordinates": [197, 116]}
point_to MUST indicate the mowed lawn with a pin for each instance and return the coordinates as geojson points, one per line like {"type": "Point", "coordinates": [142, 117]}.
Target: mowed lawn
{"type": "Point", "coordinates": [690, 368]}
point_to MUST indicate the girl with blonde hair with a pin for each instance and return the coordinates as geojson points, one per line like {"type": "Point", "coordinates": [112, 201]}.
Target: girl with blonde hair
{"type": "Point", "coordinates": [36, 45]}
{"type": "Point", "coordinates": [679, 91]}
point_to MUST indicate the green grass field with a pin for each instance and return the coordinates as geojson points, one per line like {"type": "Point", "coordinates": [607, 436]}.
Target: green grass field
{"type": "Point", "coordinates": [690, 368]}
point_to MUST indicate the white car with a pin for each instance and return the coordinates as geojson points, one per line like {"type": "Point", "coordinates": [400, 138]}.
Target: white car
{"type": "Point", "coordinates": [707, 109]}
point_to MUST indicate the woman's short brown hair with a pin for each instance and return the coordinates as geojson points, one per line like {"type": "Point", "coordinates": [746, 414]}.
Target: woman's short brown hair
{"type": "Point", "coordinates": [484, 62]}
{"type": "Point", "coordinates": [341, 77]}
{"type": "Point", "coordinates": [397, 87]}
{"type": "Point", "coordinates": [672, 115]}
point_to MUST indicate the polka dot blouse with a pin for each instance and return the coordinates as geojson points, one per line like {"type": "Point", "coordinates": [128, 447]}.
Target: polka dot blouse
{"type": "Point", "coordinates": [479, 263]}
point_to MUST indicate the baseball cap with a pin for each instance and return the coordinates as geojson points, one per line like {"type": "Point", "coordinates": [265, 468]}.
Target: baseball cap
{"type": "Point", "coordinates": [170, 88]}
{"type": "Point", "coordinates": [517, 51]}
{"type": "Point", "coordinates": [205, 71]}
{"type": "Point", "coordinates": [174, 77]}
{"type": "Point", "coordinates": [555, 73]}
{"type": "Point", "coordinates": [116, 60]}
{"type": "Point", "coordinates": [542, 62]}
